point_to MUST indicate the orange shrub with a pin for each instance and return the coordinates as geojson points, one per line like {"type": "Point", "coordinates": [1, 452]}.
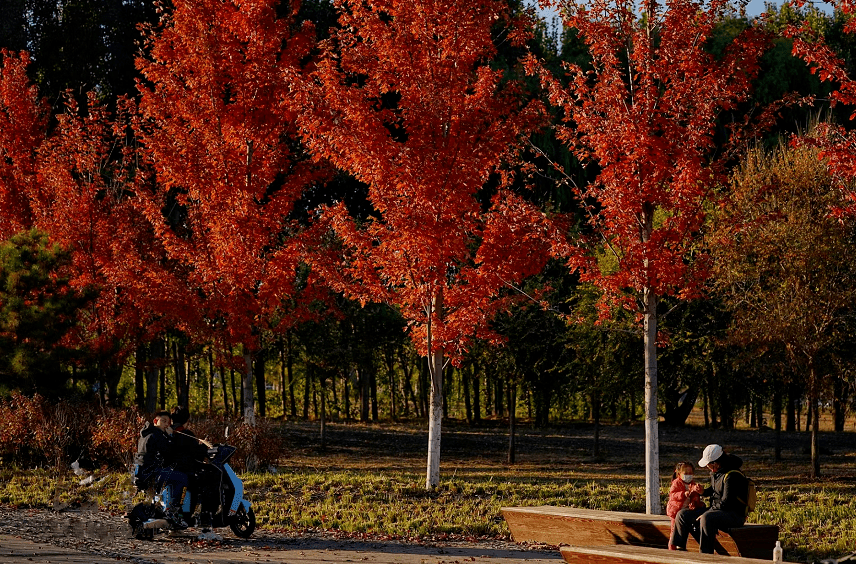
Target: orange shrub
{"type": "Point", "coordinates": [34, 432]}
{"type": "Point", "coordinates": [114, 437]}
{"type": "Point", "coordinates": [258, 446]}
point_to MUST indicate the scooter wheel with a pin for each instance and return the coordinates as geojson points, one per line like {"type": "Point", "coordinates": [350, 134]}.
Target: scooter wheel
{"type": "Point", "coordinates": [243, 523]}
{"type": "Point", "coordinates": [141, 513]}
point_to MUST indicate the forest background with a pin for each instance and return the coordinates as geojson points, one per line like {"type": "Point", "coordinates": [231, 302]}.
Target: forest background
{"type": "Point", "coordinates": [165, 245]}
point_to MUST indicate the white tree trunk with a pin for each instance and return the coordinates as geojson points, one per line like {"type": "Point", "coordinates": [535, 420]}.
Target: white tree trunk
{"type": "Point", "coordinates": [652, 442]}
{"type": "Point", "coordinates": [435, 420]}
{"type": "Point", "coordinates": [435, 409]}
{"type": "Point", "coordinates": [249, 403]}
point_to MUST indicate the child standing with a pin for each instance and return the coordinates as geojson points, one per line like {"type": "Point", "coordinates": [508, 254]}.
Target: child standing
{"type": "Point", "coordinates": [685, 493]}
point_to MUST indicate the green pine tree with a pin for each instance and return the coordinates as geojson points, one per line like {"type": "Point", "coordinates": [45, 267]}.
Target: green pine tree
{"type": "Point", "coordinates": [37, 311]}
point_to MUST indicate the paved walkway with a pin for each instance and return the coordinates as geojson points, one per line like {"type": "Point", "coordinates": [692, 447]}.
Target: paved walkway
{"type": "Point", "coordinates": [14, 550]}
{"type": "Point", "coordinates": [19, 551]}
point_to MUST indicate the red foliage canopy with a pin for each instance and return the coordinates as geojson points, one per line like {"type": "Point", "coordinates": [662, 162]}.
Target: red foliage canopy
{"type": "Point", "coordinates": [404, 98]}
{"type": "Point", "coordinates": [23, 123]}
{"type": "Point", "coordinates": [217, 131]}
{"type": "Point", "coordinates": [837, 143]}
{"type": "Point", "coordinates": [645, 113]}
{"type": "Point", "coordinates": [74, 183]}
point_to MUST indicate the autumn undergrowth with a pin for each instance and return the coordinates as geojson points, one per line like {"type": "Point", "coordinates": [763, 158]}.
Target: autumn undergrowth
{"type": "Point", "coordinates": [349, 492]}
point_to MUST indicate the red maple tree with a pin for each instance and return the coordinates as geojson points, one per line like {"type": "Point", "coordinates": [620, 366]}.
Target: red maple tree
{"type": "Point", "coordinates": [836, 142]}
{"type": "Point", "coordinates": [23, 126]}
{"type": "Point", "coordinates": [217, 131]}
{"type": "Point", "coordinates": [403, 97]}
{"type": "Point", "coordinates": [644, 114]}
{"type": "Point", "coordinates": [74, 182]}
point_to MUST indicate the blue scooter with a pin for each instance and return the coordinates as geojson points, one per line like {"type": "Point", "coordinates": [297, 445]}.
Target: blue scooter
{"type": "Point", "coordinates": [149, 517]}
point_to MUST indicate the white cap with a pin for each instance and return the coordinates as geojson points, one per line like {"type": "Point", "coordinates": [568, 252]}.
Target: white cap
{"type": "Point", "coordinates": [711, 454]}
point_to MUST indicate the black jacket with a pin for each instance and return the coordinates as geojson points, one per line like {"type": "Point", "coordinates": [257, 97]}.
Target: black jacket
{"type": "Point", "coordinates": [189, 451]}
{"type": "Point", "coordinates": [728, 492]}
{"type": "Point", "coordinates": [155, 450]}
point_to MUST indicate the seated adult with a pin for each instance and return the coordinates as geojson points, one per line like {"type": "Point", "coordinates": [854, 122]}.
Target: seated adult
{"type": "Point", "coordinates": [155, 465]}
{"type": "Point", "coordinates": [728, 494]}
{"type": "Point", "coordinates": [192, 460]}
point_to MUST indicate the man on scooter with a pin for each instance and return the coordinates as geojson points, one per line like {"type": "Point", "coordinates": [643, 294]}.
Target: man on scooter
{"type": "Point", "coordinates": [192, 460]}
{"type": "Point", "coordinates": [155, 465]}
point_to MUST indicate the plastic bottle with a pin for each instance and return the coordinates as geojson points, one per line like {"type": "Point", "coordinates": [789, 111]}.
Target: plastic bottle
{"type": "Point", "coordinates": [777, 553]}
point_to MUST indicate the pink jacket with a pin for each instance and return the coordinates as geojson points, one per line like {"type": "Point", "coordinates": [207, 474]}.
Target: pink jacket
{"type": "Point", "coordinates": [683, 495]}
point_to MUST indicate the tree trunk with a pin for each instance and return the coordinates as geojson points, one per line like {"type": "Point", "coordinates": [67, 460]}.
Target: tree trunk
{"type": "Point", "coordinates": [790, 412]}
{"type": "Point", "coordinates": [751, 413]}
{"type": "Point", "coordinates": [512, 416]}
{"type": "Point", "coordinates": [529, 401]}
{"type": "Point", "coordinates": [424, 387]}
{"type": "Point", "coordinates": [476, 396]}
{"type": "Point", "coordinates": [759, 410]}
{"type": "Point", "coordinates": [633, 408]}
{"type": "Point", "coordinates": [210, 381]}
{"type": "Point", "coordinates": [333, 386]}
{"type": "Point", "coordinates": [347, 394]}
{"type": "Point", "coordinates": [322, 379]}
{"type": "Point", "coordinates": [498, 410]}
{"type": "Point", "coordinates": [140, 378]}
{"type": "Point", "coordinates": [809, 412]}
{"type": "Point", "coordinates": [726, 410]}
{"type": "Point", "coordinates": [178, 358]}
{"type": "Point", "coordinates": [390, 374]}
{"type": "Point", "coordinates": [435, 419]}
{"type": "Point", "coordinates": [156, 352]}
{"type": "Point", "coordinates": [307, 383]}
{"type": "Point", "coordinates": [799, 413]}
{"type": "Point", "coordinates": [777, 423]}
{"type": "Point", "coordinates": [315, 413]}
{"type": "Point", "coordinates": [373, 393]}
{"type": "Point", "coordinates": [290, 371]}
{"type": "Point", "coordinates": [595, 411]}
{"type": "Point", "coordinates": [282, 379]}
{"type": "Point", "coordinates": [407, 384]}
{"type": "Point", "coordinates": [222, 370]}
{"type": "Point", "coordinates": [162, 375]}
{"type": "Point", "coordinates": [839, 404]}
{"type": "Point", "coordinates": [813, 410]}
{"type": "Point", "coordinates": [235, 402]}
{"type": "Point", "coordinates": [447, 385]}
{"type": "Point", "coordinates": [112, 375]}
{"type": "Point", "coordinates": [466, 376]}
{"type": "Point", "coordinates": [247, 390]}
{"type": "Point", "coordinates": [652, 443]}
{"type": "Point", "coordinates": [261, 384]}
{"type": "Point", "coordinates": [363, 379]}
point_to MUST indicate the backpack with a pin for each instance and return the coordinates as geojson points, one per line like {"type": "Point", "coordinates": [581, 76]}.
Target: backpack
{"type": "Point", "coordinates": [751, 492]}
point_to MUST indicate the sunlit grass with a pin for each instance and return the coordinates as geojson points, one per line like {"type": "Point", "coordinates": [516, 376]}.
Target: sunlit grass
{"type": "Point", "coordinates": [397, 504]}
{"type": "Point", "coordinates": [370, 481]}
{"type": "Point", "coordinates": [816, 520]}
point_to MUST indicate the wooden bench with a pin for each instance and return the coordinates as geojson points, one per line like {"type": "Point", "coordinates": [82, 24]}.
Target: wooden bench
{"type": "Point", "coordinates": [589, 527]}
{"type": "Point", "coordinates": [629, 554]}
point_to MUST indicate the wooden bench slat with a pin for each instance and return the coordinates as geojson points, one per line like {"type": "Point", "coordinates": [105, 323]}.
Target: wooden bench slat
{"type": "Point", "coordinates": [628, 554]}
{"type": "Point", "coordinates": [590, 527]}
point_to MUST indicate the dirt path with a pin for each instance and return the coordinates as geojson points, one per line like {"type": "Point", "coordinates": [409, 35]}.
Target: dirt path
{"type": "Point", "coordinates": [15, 550]}
{"type": "Point", "coordinates": [92, 537]}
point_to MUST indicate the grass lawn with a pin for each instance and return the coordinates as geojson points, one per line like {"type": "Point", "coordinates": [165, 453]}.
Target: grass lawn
{"type": "Point", "coordinates": [370, 480]}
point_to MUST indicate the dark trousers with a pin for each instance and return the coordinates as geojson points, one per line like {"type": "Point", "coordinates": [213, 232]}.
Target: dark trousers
{"type": "Point", "coordinates": [710, 522]}
{"type": "Point", "coordinates": [176, 482]}
{"type": "Point", "coordinates": [206, 482]}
